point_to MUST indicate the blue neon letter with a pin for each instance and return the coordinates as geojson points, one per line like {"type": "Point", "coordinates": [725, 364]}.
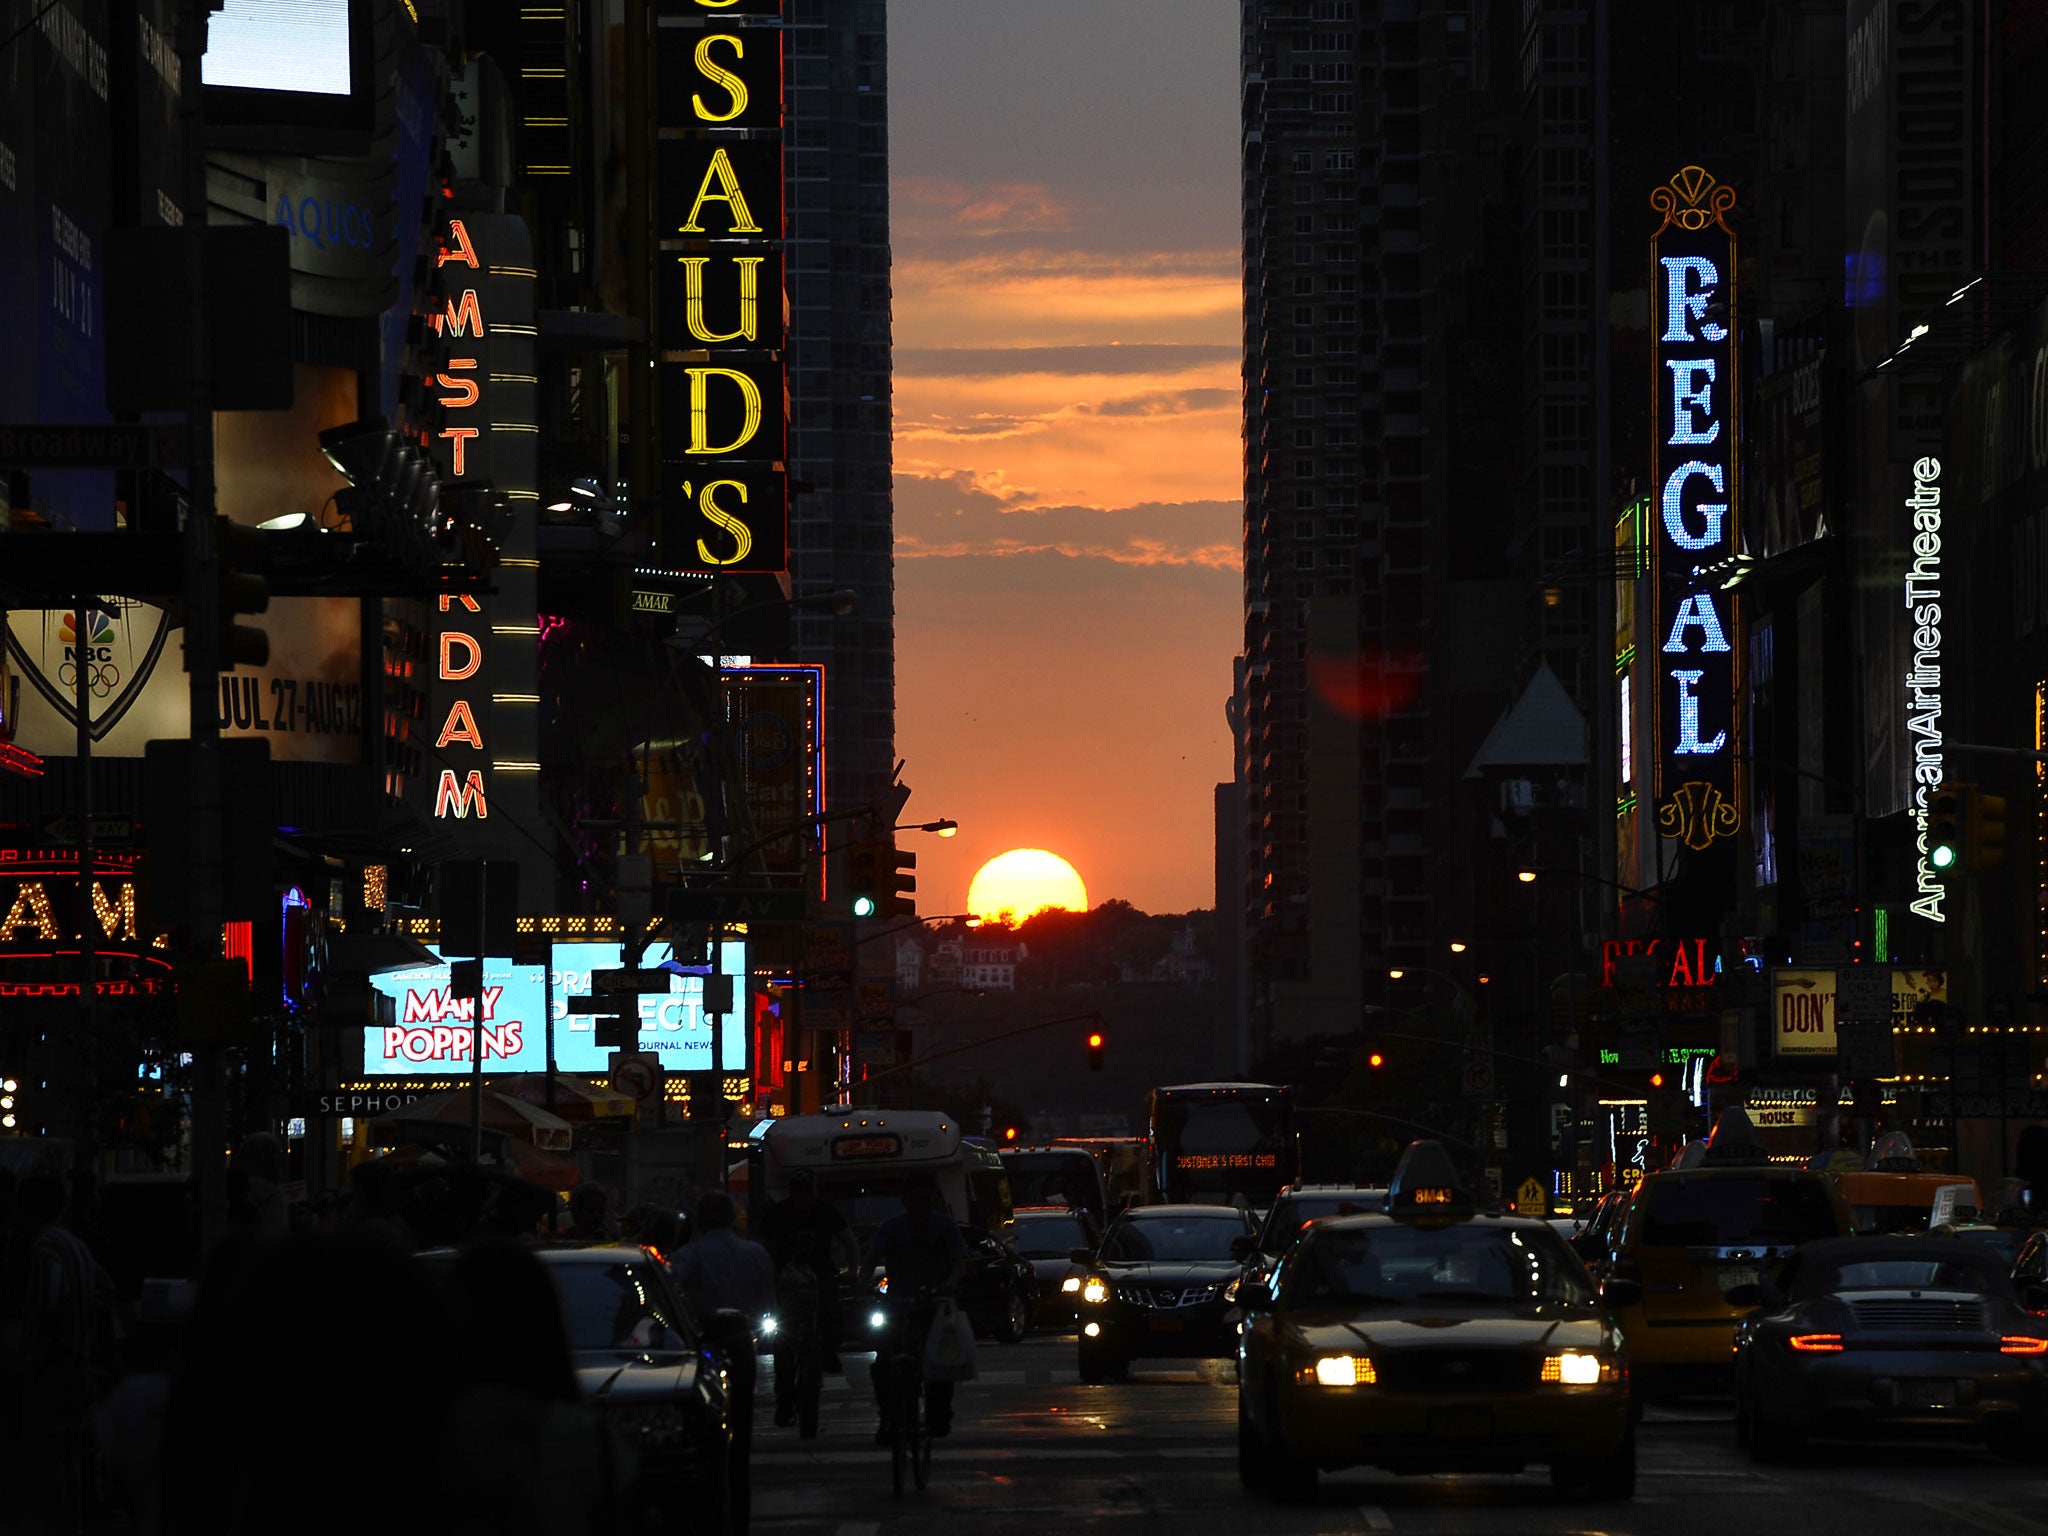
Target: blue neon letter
{"type": "Point", "coordinates": [1681, 298]}
{"type": "Point", "coordinates": [1711, 511]}
{"type": "Point", "coordinates": [1689, 743]}
{"type": "Point", "coordinates": [1691, 392]}
{"type": "Point", "coordinates": [1697, 609]}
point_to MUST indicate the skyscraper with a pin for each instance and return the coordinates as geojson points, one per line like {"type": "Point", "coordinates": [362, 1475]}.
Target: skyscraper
{"type": "Point", "coordinates": [841, 524]}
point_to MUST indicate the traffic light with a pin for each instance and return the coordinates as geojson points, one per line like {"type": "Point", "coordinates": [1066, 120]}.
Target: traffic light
{"type": "Point", "coordinates": [864, 876]}
{"type": "Point", "coordinates": [1983, 831]}
{"type": "Point", "coordinates": [1095, 1051]}
{"type": "Point", "coordinates": [1656, 1079]}
{"type": "Point", "coordinates": [238, 592]}
{"type": "Point", "coordinates": [1945, 826]}
{"type": "Point", "coordinates": [1375, 1058]}
{"type": "Point", "coordinates": [900, 881]}
{"type": "Point", "coordinates": [1009, 1133]}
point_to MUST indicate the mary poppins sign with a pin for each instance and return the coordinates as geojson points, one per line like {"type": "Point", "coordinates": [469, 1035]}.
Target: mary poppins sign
{"type": "Point", "coordinates": [1692, 297]}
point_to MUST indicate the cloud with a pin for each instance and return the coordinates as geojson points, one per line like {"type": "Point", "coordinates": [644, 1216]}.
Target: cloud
{"type": "Point", "coordinates": [1105, 359]}
{"type": "Point", "coordinates": [1036, 298]}
{"type": "Point", "coordinates": [957, 516]}
{"type": "Point", "coordinates": [981, 211]}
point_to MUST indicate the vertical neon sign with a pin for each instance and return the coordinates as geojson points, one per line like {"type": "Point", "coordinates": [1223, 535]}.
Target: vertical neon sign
{"type": "Point", "coordinates": [725, 394]}
{"type": "Point", "coordinates": [1697, 761]}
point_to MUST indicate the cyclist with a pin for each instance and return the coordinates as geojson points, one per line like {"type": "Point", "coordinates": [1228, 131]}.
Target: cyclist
{"type": "Point", "coordinates": [925, 1257]}
{"type": "Point", "coordinates": [806, 1233]}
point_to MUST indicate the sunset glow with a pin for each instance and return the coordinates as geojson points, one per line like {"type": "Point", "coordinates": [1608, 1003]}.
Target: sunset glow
{"type": "Point", "coordinates": [1024, 882]}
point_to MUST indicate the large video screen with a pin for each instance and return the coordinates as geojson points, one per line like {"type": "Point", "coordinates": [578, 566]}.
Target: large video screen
{"type": "Point", "coordinates": [280, 45]}
{"type": "Point", "coordinates": [432, 1035]}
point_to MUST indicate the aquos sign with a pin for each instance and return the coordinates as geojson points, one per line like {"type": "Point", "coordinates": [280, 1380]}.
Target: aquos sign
{"type": "Point", "coordinates": [720, 302]}
{"type": "Point", "coordinates": [1698, 758]}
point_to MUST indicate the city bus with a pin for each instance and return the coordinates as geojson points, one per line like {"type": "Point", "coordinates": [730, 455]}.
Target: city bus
{"type": "Point", "coordinates": [1222, 1142]}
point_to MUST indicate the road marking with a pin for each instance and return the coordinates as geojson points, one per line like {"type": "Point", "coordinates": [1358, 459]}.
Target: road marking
{"type": "Point", "coordinates": [1376, 1518]}
{"type": "Point", "coordinates": [859, 1528]}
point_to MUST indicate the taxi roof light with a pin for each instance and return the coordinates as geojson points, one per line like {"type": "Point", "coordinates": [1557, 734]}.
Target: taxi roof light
{"type": "Point", "coordinates": [1426, 1182]}
{"type": "Point", "coordinates": [1345, 1371]}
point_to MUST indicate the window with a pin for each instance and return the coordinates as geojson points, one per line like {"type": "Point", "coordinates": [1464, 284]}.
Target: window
{"type": "Point", "coordinates": [1304, 314]}
{"type": "Point", "coordinates": [1333, 101]}
{"type": "Point", "coordinates": [1304, 160]}
{"type": "Point", "coordinates": [1305, 559]}
{"type": "Point", "coordinates": [1335, 72]}
{"type": "Point", "coordinates": [1306, 406]}
{"type": "Point", "coordinates": [1333, 10]}
{"type": "Point", "coordinates": [1304, 498]}
{"type": "Point", "coordinates": [1341, 282]}
{"type": "Point", "coordinates": [1341, 160]}
{"type": "Point", "coordinates": [1305, 378]}
{"type": "Point", "coordinates": [1304, 282]}
{"type": "Point", "coordinates": [1563, 296]}
{"type": "Point", "coordinates": [1304, 346]}
{"type": "Point", "coordinates": [1339, 255]}
{"type": "Point", "coordinates": [1564, 357]}
{"type": "Point", "coordinates": [1340, 314]}
{"type": "Point", "coordinates": [1304, 437]}
{"type": "Point", "coordinates": [1304, 223]}
{"type": "Point", "coordinates": [1304, 192]}
{"type": "Point", "coordinates": [1563, 233]}
{"type": "Point", "coordinates": [1341, 223]}
{"type": "Point", "coordinates": [1343, 377]}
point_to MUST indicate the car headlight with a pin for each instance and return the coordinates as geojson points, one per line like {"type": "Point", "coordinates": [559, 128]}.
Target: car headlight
{"type": "Point", "coordinates": [1070, 1285]}
{"type": "Point", "coordinates": [768, 1325]}
{"type": "Point", "coordinates": [650, 1421]}
{"type": "Point", "coordinates": [1094, 1289]}
{"type": "Point", "coordinates": [1575, 1368]}
{"type": "Point", "coordinates": [878, 1320]}
{"type": "Point", "coordinates": [1339, 1371]}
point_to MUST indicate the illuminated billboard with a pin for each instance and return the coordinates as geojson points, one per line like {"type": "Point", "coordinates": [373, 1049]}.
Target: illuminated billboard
{"type": "Point", "coordinates": [721, 305]}
{"type": "Point", "coordinates": [433, 1029]}
{"type": "Point", "coordinates": [283, 64]}
{"type": "Point", "coordinates": [1697, 758]}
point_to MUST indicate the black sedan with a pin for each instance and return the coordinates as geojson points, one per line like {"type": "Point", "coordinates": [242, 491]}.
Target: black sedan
{"type": "Point", "coordinates": [999, 1290]}
{"type": "Point", "coordinates": [643, 1362]}
{"type": "Point", "coordinates": [1873, 1335]}
{"type": "Point", "coordinates": [1155, 1288]}
{"type": "Point", "coordinates": [1047, 1236]}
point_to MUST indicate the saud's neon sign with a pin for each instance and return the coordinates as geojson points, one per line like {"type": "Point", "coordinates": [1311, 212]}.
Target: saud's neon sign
{"type": "Point", "coordinates": [1697, 757]}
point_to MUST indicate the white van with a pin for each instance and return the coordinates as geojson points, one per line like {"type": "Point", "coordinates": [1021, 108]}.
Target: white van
{"type": "Point", "coordinates": [860, 1158]}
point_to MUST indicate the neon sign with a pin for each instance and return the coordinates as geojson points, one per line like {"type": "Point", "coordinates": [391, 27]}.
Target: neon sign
{"type": "Point", "coordinates": [721, 302]}
{"type": "Point", "coordinates": [1923, 720]}
{"type": "Point", "coordinates": [1698, 754]}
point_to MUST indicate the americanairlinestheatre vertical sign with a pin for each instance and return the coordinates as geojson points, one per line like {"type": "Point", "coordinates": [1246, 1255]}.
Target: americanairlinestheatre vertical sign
{"type": "Point", "coordinates": [1696, 517]}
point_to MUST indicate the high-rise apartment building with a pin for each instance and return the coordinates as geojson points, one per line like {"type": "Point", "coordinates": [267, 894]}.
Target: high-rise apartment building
{"type": "Point", "coordinates": [836, 78]}
{"type": "Point", "coordinates": [1377, 428]}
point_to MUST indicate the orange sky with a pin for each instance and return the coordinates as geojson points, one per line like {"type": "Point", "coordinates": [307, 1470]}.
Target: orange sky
{"type": "Point", "coordinates": [1068, 460]}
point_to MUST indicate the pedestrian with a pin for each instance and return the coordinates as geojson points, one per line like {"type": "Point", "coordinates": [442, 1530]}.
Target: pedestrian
{"type": "Point", "coordinates": [923, 1254]}
{"type": "Point", "coordinates": [807, 1234]}
{"type": "Point", "coordinates": [68, 1348]}
{"type": "Point", "coordinates": [720, 1271]}
{"type": "Point", "coordinates": [590, 1217]}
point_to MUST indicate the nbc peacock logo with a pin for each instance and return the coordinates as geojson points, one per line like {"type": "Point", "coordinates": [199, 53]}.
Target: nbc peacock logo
{"type": "Point", "coordinates": [106, 648]}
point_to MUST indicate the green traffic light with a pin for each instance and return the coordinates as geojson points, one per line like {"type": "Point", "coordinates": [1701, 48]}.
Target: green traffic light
{"type": "Point", "coordinates": [1941, 856]}
{"type": "Point", "coordinates": [863, 906]}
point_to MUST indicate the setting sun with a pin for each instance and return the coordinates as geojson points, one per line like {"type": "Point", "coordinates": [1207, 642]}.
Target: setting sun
{"type": "Point", "coordinates": [1025, 881]}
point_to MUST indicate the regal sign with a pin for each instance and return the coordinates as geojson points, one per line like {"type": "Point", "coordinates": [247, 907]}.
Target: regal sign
{"type": "Point", "coordinates": [1697, 757]}
{"type": "Point", "coordinates": [725, 394]}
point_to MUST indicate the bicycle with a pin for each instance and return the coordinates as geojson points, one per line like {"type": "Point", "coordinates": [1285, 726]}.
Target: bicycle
{"type": "Point", "coordinates": [910, 1437]}
{"type": "Point", "coordinates": [799, 1346]}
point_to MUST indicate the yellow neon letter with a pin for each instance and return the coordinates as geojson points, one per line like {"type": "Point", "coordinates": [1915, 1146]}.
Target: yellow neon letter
{"type": "Point", "coordinates": [721, 171]}
{"type": "Point", "coordinates": [750, 298]}
{"type": "Point", "coordinates": [742, 535]}
{"type": "Point", "coordinates": [700, 413]}
{"type": "Point", "coordinates": [723, 78]}
{"type": "Point", "coordinates": [117, 918]}
{"type": "Point", "coordinates": [31, 909]}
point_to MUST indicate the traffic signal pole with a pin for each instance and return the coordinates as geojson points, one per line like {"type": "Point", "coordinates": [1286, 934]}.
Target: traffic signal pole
{"type": "Point", "coordinates": [208, 1129]}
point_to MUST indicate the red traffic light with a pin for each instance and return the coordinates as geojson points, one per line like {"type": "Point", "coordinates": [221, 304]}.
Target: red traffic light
{"type": "Point", "coordinates": [1656, 1079]}
{"type": "Point", "coordinates": [1009, 1133]}
{"type": "Point", "coordinates": [1375, 1060]}
{"type": "Point", "coordinates": [1095, 1042]}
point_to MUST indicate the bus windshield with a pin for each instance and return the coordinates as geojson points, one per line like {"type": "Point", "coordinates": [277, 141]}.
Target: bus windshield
{"type": "Point", "coordinates": [1212, 1142]}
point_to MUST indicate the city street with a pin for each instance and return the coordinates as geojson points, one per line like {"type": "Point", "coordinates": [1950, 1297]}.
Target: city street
{"type": "Point", "coordinates": [1034, 1451]}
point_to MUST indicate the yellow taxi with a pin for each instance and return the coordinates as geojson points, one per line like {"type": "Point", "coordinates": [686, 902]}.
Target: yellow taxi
{"type": "Point", "coordinates": [1715, 1223]}
{"type": "Point", "coordinates": [1432, 1338]}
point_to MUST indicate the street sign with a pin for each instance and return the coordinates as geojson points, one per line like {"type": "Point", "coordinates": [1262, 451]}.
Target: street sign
{"type": "Point", "coordinates": [105, 829]}
{"type": "Point", "coordinates": [1531, 1199]}
{"type": "Point", "coordinates": [604, 1005]}
{"type": "Point", "coordinates": [636, 982]}
{"type": "Point", "coordinates": [1478, 1077]}
{"type": "Point", "coordinates": [828, 949]}
{"type": "Point", "coordinates": [637, 1074]}
{"type": "Point", "coordinates": [1863, 993]}
{"type": "Point", "coordinates": [1866, 1047]}
{"type": "Point", "coordinates": [728, 904]}
{"type": "Point", "coordinates": [874, 999]}
{"type": "Point", "coordinates": [100, 445]}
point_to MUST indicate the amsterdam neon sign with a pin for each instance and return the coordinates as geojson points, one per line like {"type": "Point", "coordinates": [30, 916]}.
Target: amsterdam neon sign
{"type": "Point", "coordinates": [1698, 754]}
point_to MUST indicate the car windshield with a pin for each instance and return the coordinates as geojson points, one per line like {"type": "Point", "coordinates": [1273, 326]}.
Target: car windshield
{"type": "Point", "coordinates": [1395, 1266]}
{"type": "Point", "coordinates": [1945, 1273]}
{"type": "Point", "coordinates": [618, 1306]}
{"type": "Point", "coordinates": [1046, 1237]}
{"type": "Point", "coordinates": [1718, 1212]}
{"type": "Point", "coordinates": [1283, 1227]}
{"type": "Point", "coordinates": [1892, 1218]}
{"type": "Point", "coordinates": [1183, 1238]}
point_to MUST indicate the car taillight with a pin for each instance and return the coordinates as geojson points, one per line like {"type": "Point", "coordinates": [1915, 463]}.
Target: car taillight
{"type": "Point", "coordinates": [2022, 1344]}
{"type": "Point", "coordinates": [1816, 1343]}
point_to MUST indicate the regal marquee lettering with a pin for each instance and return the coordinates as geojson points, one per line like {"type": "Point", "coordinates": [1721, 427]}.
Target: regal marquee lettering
{"type": "Point", "coordinates": [721, 304]}
{"type": "Point", "coordinates": [1698, 753]}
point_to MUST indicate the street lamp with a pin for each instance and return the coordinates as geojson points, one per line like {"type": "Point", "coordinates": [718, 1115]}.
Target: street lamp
{"type": "Point", "coordinates": [943, 827]}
